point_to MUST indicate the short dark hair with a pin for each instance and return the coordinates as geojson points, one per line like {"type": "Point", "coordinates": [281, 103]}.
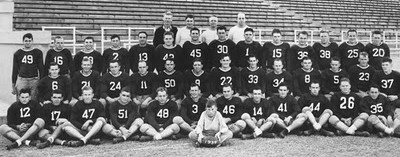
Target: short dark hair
{"type": "Point", "coordinates": [168, 33]}
{"type": "Point", "coordinates": [303, 32]}
{"type": "Point", "coordinates": [142, 32]}
{"type": "Point", "coordinates": [89, 38]}
{"type": "Point", "coordinates": [170, 59]}
{"type": "Point", "coordinates": [374, 86]}
{"type": "Point", "coordinates": [251, 55]}
{"type": "Point", "coordinates": [283, 84]}
{"type": "Point", "coordinates": [25, 90]}
{"type": "Point", "coordinates": [376, 32]}
{"type": "Point", "coordinates": [194, 29]}
{"type": "Point", "coordinates": [221, 28]}
{"type": "Point", "coordinates": [386, 59]}
{"type": "Point", "coordinates": [189, 16]}
{"type": "Point", "coordinates": [306, 58]}
{"type": "Point", "coordinates": [211, 103]}
{"type": "Point", "coordinates": [335, 58]}
{"type": "Point", "coordinates": [276, 31]}
{"type": "Point", "coordinates": [197, 59]}
{"type": "Point", "coordinates": [161, 89]}
{"type": "Point", "coordinates": [115, 36]}
{"type": "Point", "coordinates": [114, 61]}
{"type": "Point", "coordinates": [222, 56]}
{"type": "Point", "coordinates": [194, 85]}
{"type": "Point", "coordinates": [57, 91]}
{"type": "Point", "coordinates": [249, 29]}
{"type": "Point", "coordinates": [344, 79]}
{"type": "Point", "coordinates": [126, 89]}
{"type": "Point", "coordinates": [256, 88]}
{"type": "Point", "coordinates": [52, 64]}
{"type": "Point", "coordinates": [351, 30]}
{"type": "Point", "coordinates": [27, 35]}
{"type": "Point", "coordinates": [227, 85]}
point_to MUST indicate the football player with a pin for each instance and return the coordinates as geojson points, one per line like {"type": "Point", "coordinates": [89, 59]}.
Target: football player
{"type": "Point", "coordinates": [183, 33]}
{"type": "Point", "coordinates": [61, 56]}
{"type": "Point", "coordinates": [88, 52]}
{"type": "Point", "coordinates": [349, 50]}
{"type": "Point", "coordinates": [252, 77]}
{"type": "Point", "coordinates": [219, 47]}
{"type": "Point", "coordinates": [192, 108]}
{"type": "Point", "coordinates": [125, 118]}
{"type": "Point", "coordinates": [87, 118]}
{"type": "Point", "coordinates": [116, 52]}
{"type": "Point", "coordinates": [27, 67]}
{"type": "Point", "coordinates": [377, 50]}
{"type": "Point", "coordinates": [173, 81]}
{"type": "Point", "coordinates": [257, 109]}
{"type": "Point", "coordinates": [245, 48]}
{"type": "Point", "coordinates": [330, 77]}
{"type": "Point", "coordinates": [231, 108]}
{"type": "Point", "coordinates": [380, 111]}
{"type": "Point", "coordinates": [303, 76]}
{"type": "Point", "coordinates": [142, 52]}
{"type": "Point", "coordinates": [361, 75]}
{"type": "Point", "coordinates": [225, 75]}
{"type": "Point", "coordinates": [198, 76]}
{"type": "Point", "coordinates": [347, 116]}
{"type": "Point", "coordinates": [273, 50]}
{"type": "Point", "coordinates": [194, 49]}
{"type": "Point", "coordinates": [143, 87]}
{"type": "Point", "coordinates": [288, 114]}
{"type": "Point", "coordinates": [317, 108]}
{"type": "Point", "coordinates": [56, 115]}
{"type": "Point", "coordinates": [388, 80]}
{"type": "Point", "coordinates": [325, 50]}
{"type": "Point", "coordinates": [298, 52]}
{"type": "Point", "coordinates": [52, 82]}
{"type": "Point", "coordinates": [168, 50]}
{"type": "Point", "coordinates": [85, 77]}
{"type": "Point", "coordinates": [158, 121]}
{"type": "Point", "coordinates": [276, 77]}
{"type": "Point", "coordinates": [22, 121]}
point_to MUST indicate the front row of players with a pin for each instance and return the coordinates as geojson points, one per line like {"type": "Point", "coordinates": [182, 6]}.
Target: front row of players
{"type": "Point", "coordinates": [227, 116]}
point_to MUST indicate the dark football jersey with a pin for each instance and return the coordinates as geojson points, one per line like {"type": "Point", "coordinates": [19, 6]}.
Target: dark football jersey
{"type": "Point", "coordinates": [192, 51]}
{"type": "Point", "coordinates": [252, 79]}
{"type": "Point", "coordinates": [121, 55]}
{"type": "Point", "coordinates": [219, 78]}
{"type": "Point", "coordinates": [285, 107]}
{"type": "Point", "coordinates": [388, 83]}
{"type": "Point", "coordinates": [47, 85]}
{"type": "Point", "coordinates": [161, 114]}
{"type": "Point", "coordinates": [79, 80]}
{"type": "Point", "coordinates": [173, 82]}
{"type": "Point", "coordinates": [201, 79]}
{"type": "Point", "coordinates": [274, 80]}
{"type": "Point", "coordinates": [145, 53]}
{"type": "Point", "coordinates": [191, 111]}
{"type": "Point", "coordinates": [27, 64]}
{"type": "Point", "coordinates": [230, 108]}
{"type": "Point", "coordinates": [272, 51]}
{"type": "Point", "coordinates": [62, 58]}
{"type": "Point", "coordinates": [379, 106]}
{"type": "Point", "coordinates": [95, 59]}
{"type": "Point", "coordinates": [376, 53]}
{"type": "Point", "coordinates": [216, 48]}
{"type": "Point", "coordinates": [82, 112]}
{"type": "Point", "coordinates": [159, 35]}
{"type": "Point", "coordinates": [316, 103]}
{"type": "Point", "coordinates": [361, 77]}
{"type": "Point", "coordinates": [111, 85]}
{"type": "Point", "coordinates": [244, 50]}
{"type": "Point", "coordinates": [345, 105]}
{"type": "Point", "coordinates": [349, 54]}
{"type": "Point", "coordinates": [324, 54]}
{"type": "Point", "coordinates": [258, 110]}
{"type": "Point", "coordinates": [303, 79]}
{"type": "Point", "coordinates": [19, 113]}
{"type": "Point", "coordinates": [123, 115]}
{"type": "Point", "coordinates": [296, 55]}
{"type": "Point", "coordinates": [162, 54]}
{"type": "Point", "coordinates": [144, 85]}
{"type": "Point", "coordinates": [330, 80]}
{"type": "Point", "coordinates": [51, 113]}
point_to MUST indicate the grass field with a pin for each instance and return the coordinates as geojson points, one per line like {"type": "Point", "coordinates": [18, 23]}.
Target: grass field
{"type": "Point", "coordinates": [290, 146]}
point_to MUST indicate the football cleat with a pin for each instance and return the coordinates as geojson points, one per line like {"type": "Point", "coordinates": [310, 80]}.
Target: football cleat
{"type": "Point", "coordinates": [283, 133]}
{"type": "Point", "coordinates": [308, 132]}
{"type": "Point", "coordinates": [12, 146]}
{"type": "Point", "coordinates": [362, 133]}
{"type": "Point", "coordinates": [381, 134]}
{"type": "Point", "coordinates": [77, 143]}
{"type": "Point", "coordinates": [43, 145]}
{"type": "Point", "coordinates": [145, 138]}
{"type": "Point", "coordinates": [269, 135]}
{"type": "Point", "coordinates": [326, 133]}
{"type": "Point", "coordinates": [34, 143]}
{"type": "Point", "coordinates": [118, 140]}
{"type": "Point", "coordinates": [67, 143]}
{"type": "Point", "coordinates": [133, 138]}
{"type": "Point", "coordinates": [247, 136]}
{"type": "Point", "coordinates": [340, 133]}
{"type": "Point", "coordinates": [95, 141]}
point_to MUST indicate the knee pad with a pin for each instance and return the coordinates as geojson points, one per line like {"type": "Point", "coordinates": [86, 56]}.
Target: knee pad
{"type": "Point", "coordinates": [373, 119]}
{"type": "Point", "coordinates": [177, 120]}
{"type": "Point", "coordinates": [39, 122]}
{"type": "Point", "coordinates": [272, 120]}
{"type": "Point", "coordinates": [241, 124]}
{"type": "Point", "coordinates": [144, 128]}
{"type": "Point", "coordinates": [302, 115]}
{"type": "Point", "coordinates": [245, 116]}
{"type": "Point", "coordinates": [363, 116]}
{"type": "Point", "coordinates": [4, 129]}
{"type": "Point", "coordinates": [305, 109]}
{"type": "Point", "coordinates": [175, 128]}
{"type": "Point", "coordinates": [274, 115]}
{"type": "Point", "coordinates": [101, 119]}
{"type": "Point", "coordinates": [328, 111]}
{"type": "Point", "coordinates": [138, 121]}
{"type": "Point", "coordinates": [333, 120]}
